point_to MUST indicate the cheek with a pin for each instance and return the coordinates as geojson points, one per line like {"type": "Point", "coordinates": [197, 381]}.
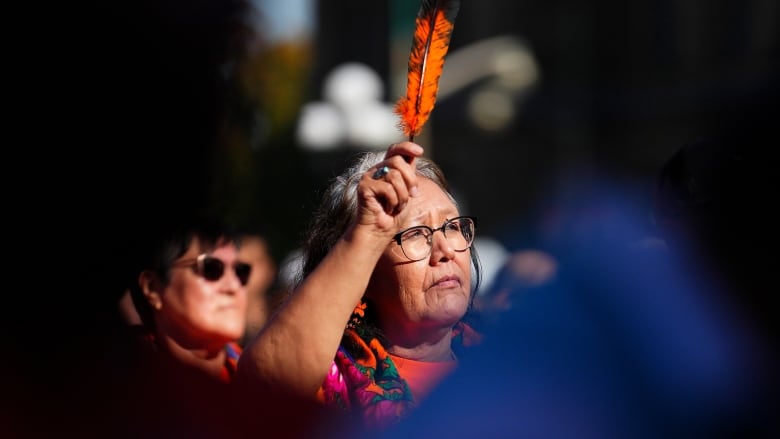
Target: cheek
{"type": "Point", "coordinates": [387, 279]}
{"type": "Point", "coordinates": [464, 263]}
{"type": "Point", "coordinates": [189, 297]}
{"type": "Point", "coordinates": [175, 292]}
{"type": "Point", "coordinates": [411, 277]}
{"type": "Point", "coordinates": [242, 298]}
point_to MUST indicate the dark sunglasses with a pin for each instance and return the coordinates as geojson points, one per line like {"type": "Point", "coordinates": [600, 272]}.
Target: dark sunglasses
{"type": "Point", "coordinates": [212, 268]}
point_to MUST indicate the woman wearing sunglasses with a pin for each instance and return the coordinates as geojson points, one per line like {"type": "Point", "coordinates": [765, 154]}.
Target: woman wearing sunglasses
{"type": "Point", "coordinates": [375, 322]}
{"type": "Point", "coordinates": [192, 299]}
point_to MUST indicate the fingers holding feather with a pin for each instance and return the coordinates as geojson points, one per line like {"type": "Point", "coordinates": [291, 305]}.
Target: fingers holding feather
{"type": "Point", "coordinates": [388, 182]}
{"type": "Point", "coordinates": [402, 157]}
{"type": "Point", "coordinates": [385, 189]}
{"type": "Point", "coordinates": [409, 150]}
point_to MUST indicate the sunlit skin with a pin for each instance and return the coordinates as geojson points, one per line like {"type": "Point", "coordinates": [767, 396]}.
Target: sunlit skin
{"type": "Point", "coordinates": [198, 314]}
{"type": "Point", "coordinates": [418, 302]}
{"type": "Point", "coordinates": [412, 298]}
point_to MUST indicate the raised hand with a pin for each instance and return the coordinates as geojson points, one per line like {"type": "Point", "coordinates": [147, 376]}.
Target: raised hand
{"type": "Point", "coordinates": [384, 190]}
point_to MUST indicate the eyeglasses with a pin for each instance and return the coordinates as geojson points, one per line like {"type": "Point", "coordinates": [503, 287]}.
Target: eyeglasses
{"type": "Point", "coordinates": [416, 242]}
{"type": "Point", "coordinates": [213, 268]}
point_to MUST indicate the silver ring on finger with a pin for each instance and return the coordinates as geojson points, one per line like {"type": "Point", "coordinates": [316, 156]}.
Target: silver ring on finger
{"type": "Point", "coordinates": [381, 172]}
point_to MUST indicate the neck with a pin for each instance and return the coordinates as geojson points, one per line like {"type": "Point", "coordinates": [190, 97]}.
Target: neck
{"type": "Point", "coordinates": [207, 360]}
{"type": "Point", "coordinates": [434, 347]}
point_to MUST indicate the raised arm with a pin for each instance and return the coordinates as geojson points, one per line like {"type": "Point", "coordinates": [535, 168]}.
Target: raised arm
{"type": "Point", "coordinates": [296, 347]}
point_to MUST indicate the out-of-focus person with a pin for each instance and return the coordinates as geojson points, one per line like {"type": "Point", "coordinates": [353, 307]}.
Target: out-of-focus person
{"type": "Point", "coordinates": [191, 296]}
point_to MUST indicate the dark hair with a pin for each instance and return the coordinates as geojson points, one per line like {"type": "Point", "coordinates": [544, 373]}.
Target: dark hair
{"type": "Point", "coordinates": [170, 246]}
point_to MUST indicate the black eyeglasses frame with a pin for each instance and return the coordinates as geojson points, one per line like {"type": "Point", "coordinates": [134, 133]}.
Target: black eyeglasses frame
{"type": "Point", "coordinates": [397, 237]}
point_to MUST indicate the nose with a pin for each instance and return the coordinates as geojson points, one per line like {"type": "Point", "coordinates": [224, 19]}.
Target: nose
{"type": "Point", "coordinates": [230, 283]}
{"type": "Point", "coordinates": [441, 250]}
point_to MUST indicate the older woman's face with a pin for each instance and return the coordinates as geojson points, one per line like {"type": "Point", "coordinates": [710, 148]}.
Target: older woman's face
{"type": "Point", "coordinates": [431, 292]}
{"type": "Point", "coordinates": [201, 312]}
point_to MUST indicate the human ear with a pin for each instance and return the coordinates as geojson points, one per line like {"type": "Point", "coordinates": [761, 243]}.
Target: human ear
{"type": "Point", "coordinates": [151, 287]}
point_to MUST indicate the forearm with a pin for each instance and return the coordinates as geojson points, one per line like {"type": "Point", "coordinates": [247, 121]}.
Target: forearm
{"type": "Point", "coordinates": [296, 347]}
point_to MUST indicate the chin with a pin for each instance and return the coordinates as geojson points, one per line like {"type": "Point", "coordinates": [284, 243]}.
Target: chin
{"type": "Point", "coordinates": [231, 333]}
{"type": "Point", "coordinates": [453, 309]}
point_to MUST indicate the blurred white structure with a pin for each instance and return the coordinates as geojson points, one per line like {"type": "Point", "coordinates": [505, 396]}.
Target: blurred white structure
{"type": "Point", "coordinates": [507, 69]}
{"type": "Point", "coordinates": [352, 113]}
{"type": "Point", "coordinates": [492, 256]}
{"type": "Point", "coordinates": [322, 126]}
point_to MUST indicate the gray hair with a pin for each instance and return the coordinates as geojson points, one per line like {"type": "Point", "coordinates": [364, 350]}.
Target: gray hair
{"type": "Point", "coordinates": [338, 208]}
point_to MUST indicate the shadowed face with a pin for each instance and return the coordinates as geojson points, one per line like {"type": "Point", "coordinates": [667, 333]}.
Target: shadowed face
{"type": "Point", "coordinates": [199, 308]}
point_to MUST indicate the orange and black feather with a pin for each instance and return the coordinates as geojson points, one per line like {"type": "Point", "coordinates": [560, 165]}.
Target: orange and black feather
{"type": "Point", "coordinates": [433, 29]}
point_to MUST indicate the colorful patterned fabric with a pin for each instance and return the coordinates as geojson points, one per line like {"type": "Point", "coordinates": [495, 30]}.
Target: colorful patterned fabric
{"type": "Point", "coordinates": [233, 351]}
{"type": "Point", "coordinates": [364, 381]}
{"type": "Point", "coordinates": [367, 384]}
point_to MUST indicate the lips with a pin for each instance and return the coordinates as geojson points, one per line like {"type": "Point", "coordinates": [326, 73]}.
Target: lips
{"type": "Point", "coordinates": [228, 307]}
{"type": "Point", "coordinates": [447, 282]}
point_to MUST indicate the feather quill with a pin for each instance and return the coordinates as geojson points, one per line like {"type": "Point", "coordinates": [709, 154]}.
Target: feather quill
{"type": "Point", "coordinates": [433, 29]}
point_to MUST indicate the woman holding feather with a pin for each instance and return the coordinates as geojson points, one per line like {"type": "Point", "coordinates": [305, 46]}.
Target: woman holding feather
{"type": "Point", "coordinates": [376, 320]}
{"type": "Point", "coordinates": [389, 238]}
